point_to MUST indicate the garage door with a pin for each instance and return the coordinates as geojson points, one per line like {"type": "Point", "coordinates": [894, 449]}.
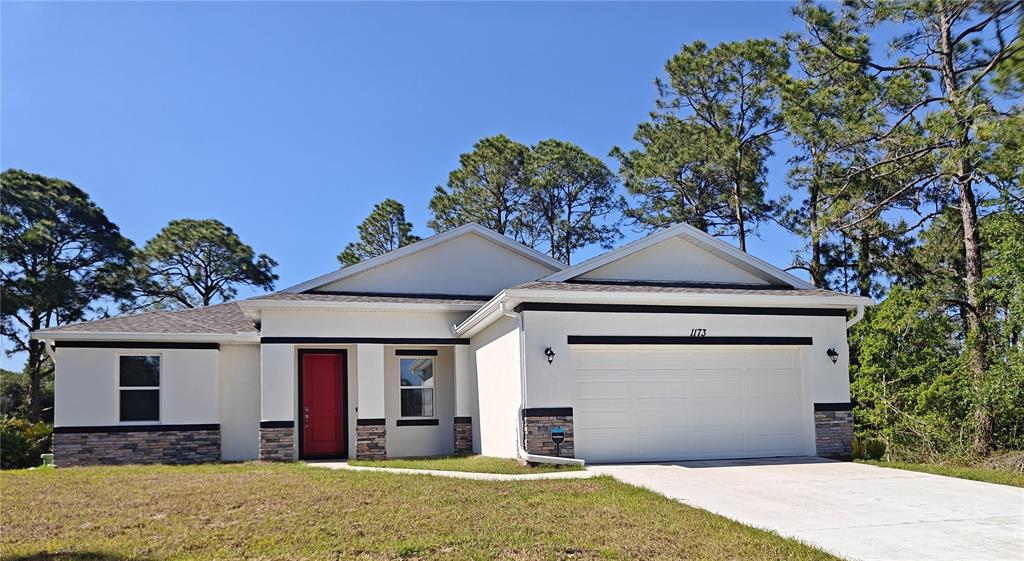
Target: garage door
{"type": "Point", "coordinates": [646, 404]}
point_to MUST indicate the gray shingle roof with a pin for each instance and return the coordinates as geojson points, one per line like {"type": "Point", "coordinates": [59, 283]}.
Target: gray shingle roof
{"type": "Point", "coordinates": [669, 289]}
{"type": "Point", "coordinates": [218, 318]}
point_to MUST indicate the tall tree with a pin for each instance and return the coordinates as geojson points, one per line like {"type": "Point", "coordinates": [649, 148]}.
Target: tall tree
{"type": "Point", "coordinates": [732, 89]}
{"type": "Point", "coordinates": [191, 263]}
{"type": "Point", "coordinates": [675, 177]}
{"type": "Point", "coordinates": [938, 71]}
{"type": "Point", "coordinates": [825, 107]}
{"type": "Point", "coordinates": [573, 202]}
{"type": "Point", "coordinates": [59, 257]}
{"type": "Point", "coordinates": [490, 187]}
{"type": "Point", "coordinates": [384, 230]}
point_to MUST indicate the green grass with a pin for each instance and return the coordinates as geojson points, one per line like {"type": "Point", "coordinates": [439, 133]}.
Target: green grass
{"type": "Point", "coordinates": [988, 475]}
{"type": "Point", "coordinates": [293, 512]}
{"type": "Point", "coordinates": [479, 464]}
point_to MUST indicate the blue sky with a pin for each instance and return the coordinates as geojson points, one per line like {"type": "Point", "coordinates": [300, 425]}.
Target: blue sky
{"type": "Point", "coordinates": [288, 121]}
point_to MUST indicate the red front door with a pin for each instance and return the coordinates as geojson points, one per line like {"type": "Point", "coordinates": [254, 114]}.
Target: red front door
{"type": "Point", "coordinates": [323, 404]}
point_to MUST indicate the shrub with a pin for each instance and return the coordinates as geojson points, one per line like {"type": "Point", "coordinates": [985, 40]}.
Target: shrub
{"type": "Point", "coordinates": [867, 448]}
{"type": "Point", "coordinates": [875, 448]}
{"type": "Point", "coordinates": [21, 442]}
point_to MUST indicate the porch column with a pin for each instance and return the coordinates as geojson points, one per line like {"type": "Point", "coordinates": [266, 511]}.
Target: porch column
{"type": "Point", "coordinates": [371, 433]}
{"type": "Point", "coordinates": [465, 396]}
{"type": "Point", "coordinates": [277, 403]}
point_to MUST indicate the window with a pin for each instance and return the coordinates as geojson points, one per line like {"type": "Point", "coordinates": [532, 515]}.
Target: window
{"type": "Point", "coordinates": [139, 388]}
{"type": "Point", "coordinates": [417, 387]}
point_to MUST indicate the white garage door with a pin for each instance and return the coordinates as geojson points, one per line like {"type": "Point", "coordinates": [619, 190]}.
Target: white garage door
{"type": "Point", "coordinates": [646, 404]}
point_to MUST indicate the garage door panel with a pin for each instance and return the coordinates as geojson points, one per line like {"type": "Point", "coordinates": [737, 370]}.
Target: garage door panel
{"type": "Point", "coordinates": [706, 360]}
{"type": "Point", "coordinates": [688, 404]}
{"type": "Point", "coordinates": [773, 385]}
{"type": "Point", "coordinates": [603, 388]}
{"type": "Point", "coordinates": [670, 361]}
{"type": "Point", "coordinates": [662, 388]}
{"type": "Point", "coordinates": [768, 360]}
{"type": "Point", "coordinates": [726, 386]}
{"type": "Point", "coordinates": [679, 419]}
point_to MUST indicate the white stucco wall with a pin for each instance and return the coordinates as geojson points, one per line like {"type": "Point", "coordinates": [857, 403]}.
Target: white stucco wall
{"type": "Point", "coordinates": [674, 260]}
{"type": "Point", "coordinates": [87, 380]}
{"type": "Point", "coordinates": [430, 440]}
{"type": "Point", "coordinates": [239, 402]}
{"type": "Point", "coordinates": [496, 354]}
{"type": "Point", "coordinates": [387, 324]}
{"type": "Point", "coordinates": [450, 268]}
{"type": "Point", "coordinates": [548, 385]}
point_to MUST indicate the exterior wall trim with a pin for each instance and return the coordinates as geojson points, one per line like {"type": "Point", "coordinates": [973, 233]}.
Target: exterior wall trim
{"type": "Point", "coordinates": [417, 422]}
{"type": "Point", "coordinates": [659, 340]}
{"type": "Point", "coordinates": [660, 309]}
{"type": "Point", "coordinates": [136, 428]}
{"type": "Point", "coordinates": [833, 407]}
{"type": "Point", "coordinates": [370, 422]}
{"type": "Point", "coordinates": [277, 424]}
{"type": "Point", "coordinates": [365, 340]}
{"type": "Point", "coordinates": [135, 345]}
{"type": "Point", "coordinates": [547, 411]}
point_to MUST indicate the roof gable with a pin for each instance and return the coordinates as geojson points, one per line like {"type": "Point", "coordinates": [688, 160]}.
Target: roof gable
{"type": "Point", "coordinates": [468, 260]}
{"type": "Point", "coordinates": [679, 254]}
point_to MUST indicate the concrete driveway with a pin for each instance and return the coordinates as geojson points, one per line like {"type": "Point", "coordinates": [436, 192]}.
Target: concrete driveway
{"type": "Point", "coordinates": [855, 511]}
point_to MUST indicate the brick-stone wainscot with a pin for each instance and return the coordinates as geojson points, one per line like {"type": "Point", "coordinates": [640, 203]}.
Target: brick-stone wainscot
{"type": "Point", "coordinates": [277, 441]}
{"type": "Point", "coordinates": [463, 433]}
{"type": "Point", "coordinates": [537, 425]}
{"type": "Point", "coordinates": [136, 444]}
{"type": "Point", "coordinates": [371, 439]}
{"type": "Point", "coordinates": [833, 430]}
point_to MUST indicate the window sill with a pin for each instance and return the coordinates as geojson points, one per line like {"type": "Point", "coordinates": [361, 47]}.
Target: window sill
{"type": "Point", "coordinates": [416, 422]}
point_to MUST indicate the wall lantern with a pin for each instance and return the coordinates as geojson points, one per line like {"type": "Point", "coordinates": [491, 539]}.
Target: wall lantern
{"type": "Point", "coordinates": [550, 354]}
{"type": "Point", "coordinates": [832, 354]}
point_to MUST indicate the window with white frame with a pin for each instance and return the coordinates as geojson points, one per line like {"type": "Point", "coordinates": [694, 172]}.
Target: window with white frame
{"type": "Point", "coordinates": [139, 388]}
{"type": "Point", "coordinates": [417, 386]}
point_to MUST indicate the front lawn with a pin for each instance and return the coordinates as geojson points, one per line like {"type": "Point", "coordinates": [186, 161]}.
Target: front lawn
{"type": "Point", "coordinates": [988, 475]}
{"type": "Point", "coordinates": [479, 464]}
{"type": "Point", "coordinates": [291, 511]}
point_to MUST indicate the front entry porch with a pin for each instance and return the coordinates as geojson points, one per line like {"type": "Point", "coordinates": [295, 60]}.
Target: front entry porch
{"type": "Point", "coordinates": [366, 400]}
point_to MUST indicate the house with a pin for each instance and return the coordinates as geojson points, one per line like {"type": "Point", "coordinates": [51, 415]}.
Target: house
{"type": "Point", "coordinates": [676, 346]}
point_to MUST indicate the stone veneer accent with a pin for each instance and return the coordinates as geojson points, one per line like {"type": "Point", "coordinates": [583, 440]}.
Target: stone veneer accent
{"type": "Point", "coordinates": [463, 430]}
{"type": "Point", "coordinates": [277, 441]}
{"type": "Point", "coordinates": [142, 444]}
{"type": "Point", "coordinates": [833, 430]}
{"type": "Point", "coordinates": [537, 425]}
{"type": "Point", "coordinates": [371, 439]}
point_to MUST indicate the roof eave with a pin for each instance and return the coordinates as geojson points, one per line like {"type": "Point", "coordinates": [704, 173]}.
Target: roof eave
{"type": "Point", "coordinates": [57, 335]}
{"type": "Point", "coordinates": [252, 308]}
{"type": "Point", "coordinates": [513, 297]}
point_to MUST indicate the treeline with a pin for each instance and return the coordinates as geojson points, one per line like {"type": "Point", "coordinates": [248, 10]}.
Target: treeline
{"type": "Point", "coordinates": [905, 123]}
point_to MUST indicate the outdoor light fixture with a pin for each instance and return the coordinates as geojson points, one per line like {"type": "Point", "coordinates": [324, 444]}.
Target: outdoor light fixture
{"type": "Point", "coordinates": [550, 354]}
{"type": "Point", "coordinates": [832, 354]}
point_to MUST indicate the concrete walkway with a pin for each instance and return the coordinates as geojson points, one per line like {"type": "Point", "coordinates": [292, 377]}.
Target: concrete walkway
{"type": "Point", "coordinates": [856, 511]}
{"type": "Point", "coordinates": [584, 474]}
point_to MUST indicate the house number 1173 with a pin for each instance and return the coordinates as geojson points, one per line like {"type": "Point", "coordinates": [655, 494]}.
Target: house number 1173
{"type": "Point", "coordinates": [697, 332]}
